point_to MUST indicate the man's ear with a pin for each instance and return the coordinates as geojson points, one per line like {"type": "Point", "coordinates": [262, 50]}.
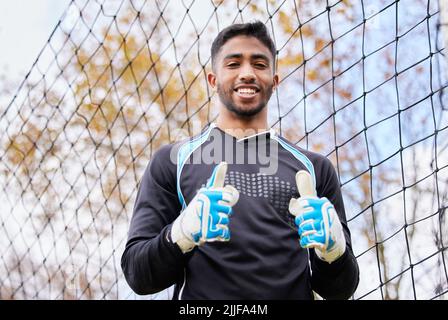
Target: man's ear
{"type": "Point", "coordinates": [211, 79]}
{"type": "Point", "coordinates": [275, 81]}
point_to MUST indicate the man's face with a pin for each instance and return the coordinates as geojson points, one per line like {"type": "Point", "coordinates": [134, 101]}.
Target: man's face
{"type": "Point", "coordinates": [243, 75]}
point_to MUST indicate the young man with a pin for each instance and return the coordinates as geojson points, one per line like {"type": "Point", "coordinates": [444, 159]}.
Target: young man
{"type": "Point", "coordinates": [214, 220]}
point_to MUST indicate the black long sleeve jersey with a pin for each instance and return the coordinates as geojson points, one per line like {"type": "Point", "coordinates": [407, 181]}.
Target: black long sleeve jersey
{"type": "Point", "coordinates": [263, 259]}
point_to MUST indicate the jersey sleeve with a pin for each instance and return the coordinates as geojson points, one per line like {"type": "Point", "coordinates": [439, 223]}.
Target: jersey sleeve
{"type": "Point", "coordinates": [151, 262]}
{"type": "Point", "coordinates": [339, 279]}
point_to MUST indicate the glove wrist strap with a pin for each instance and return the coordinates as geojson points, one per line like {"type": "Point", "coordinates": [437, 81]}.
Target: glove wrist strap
{"type": "Point", "coordinates": [179, 237]}
{"type": "Point", "coordinates": [337, 251]}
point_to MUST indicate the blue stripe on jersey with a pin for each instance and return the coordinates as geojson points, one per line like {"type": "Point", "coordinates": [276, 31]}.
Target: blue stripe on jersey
{"type": "Point", "coordinates": [184, 153]}
{"type": "Point", "coordinates": [299, 156]}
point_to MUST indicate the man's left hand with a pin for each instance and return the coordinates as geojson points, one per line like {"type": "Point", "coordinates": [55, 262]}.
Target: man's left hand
{"type": "Point", "coordinates": [318, 223]}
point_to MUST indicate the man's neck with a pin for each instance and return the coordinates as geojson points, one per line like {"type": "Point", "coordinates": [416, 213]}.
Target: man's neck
{"type": "Point", "coordinates": [240, 127]}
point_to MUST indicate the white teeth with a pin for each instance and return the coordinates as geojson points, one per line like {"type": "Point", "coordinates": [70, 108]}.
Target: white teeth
{"type": "Point", "coordinates": [246, 91]}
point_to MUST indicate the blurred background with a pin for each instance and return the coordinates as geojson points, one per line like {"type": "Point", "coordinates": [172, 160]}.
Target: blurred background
{"type": "Point", "coordinates": [89, 90]}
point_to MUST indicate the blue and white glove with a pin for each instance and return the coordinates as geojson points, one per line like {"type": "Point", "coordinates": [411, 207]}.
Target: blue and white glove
{"type": "Point", "coordinates": [206, 218]}
{"type": "Point", "coordinates": [317, 220]}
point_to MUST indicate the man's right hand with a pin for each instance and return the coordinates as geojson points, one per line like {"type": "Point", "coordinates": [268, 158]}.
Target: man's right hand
{"type": "Point", "coordinates": [206, 218]}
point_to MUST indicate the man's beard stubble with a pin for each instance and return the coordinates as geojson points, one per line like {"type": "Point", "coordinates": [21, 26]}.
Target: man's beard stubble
{"type": "Point", "coordinates": [226, 99]}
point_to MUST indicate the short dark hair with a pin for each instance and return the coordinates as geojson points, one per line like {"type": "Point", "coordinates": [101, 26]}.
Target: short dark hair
{"type": "Point", "coordinates": [255, 29]}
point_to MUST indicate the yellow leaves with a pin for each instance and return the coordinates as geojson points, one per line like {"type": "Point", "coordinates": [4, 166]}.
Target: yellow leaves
{"type": "Point", "coordinates": [129, 112]}
{"type": "Point", "coordinates": [140, 64]}
{"type": "Point", "coordinates": [23, 146]}
{"type": "Point", "coordinates": [347, 4]}
{"type": "Point", "coordinates": [127, 62]}
{"type": "Point", "coordinates": [101, 116]}
{"type": "Point", "coordinates": [81, 88]}
{"type": "Point", "coordinates": [129, 47]}
{"type": "Point", "coordinates": [285, 22]}
{"type": "Point", "coordinates": [291, 60]}
{"type": "Point", "coordinates": [343, 9]}
{"type": "Point", "coordinates": [82, 59]}
{"type": "Point", "coordinates": [172, 92]}
{"type": "Point", "coordinates": [19, 148]}
{"type": "Point", "coordinates": [125, 20]}
{"type": "Point", "coordinates": [255, 8]}
{"type": "Point", "coordinates": [319, 44]}
{"type": "Point", "coordinates": [307, 31]}
{"type": "Point", "coordinates": [318, 147]}
{"type": "Point", "coordinates": [325, 63]}
{"type": "Point", "coordinates": [28, 149]}
{"type": "Point", "coordinates": [319, 71]}
{"type": "Point", "coordinates": [312, 75]}
{"type": "Point", "coordinates": [345, 94]}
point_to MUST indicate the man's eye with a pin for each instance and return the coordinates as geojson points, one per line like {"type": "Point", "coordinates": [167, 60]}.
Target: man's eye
{"type": "Point", "coordinates": [260, 65]}
{"type": "Point", "coordinates": [233, 65]}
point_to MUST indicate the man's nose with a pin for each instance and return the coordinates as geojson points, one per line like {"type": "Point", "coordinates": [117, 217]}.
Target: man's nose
{"type": "Point", "coordinates": [247, 74]}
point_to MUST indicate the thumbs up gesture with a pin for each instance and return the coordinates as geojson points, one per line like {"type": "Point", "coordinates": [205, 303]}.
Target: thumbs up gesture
{"type": "Point", "coordinates": [318, 224]}
{"type": "Point", "coordinates": [206, 218]}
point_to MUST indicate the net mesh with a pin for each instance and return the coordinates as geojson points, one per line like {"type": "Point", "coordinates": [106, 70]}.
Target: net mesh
{"type": "Point", "coordinates": [362, 82]}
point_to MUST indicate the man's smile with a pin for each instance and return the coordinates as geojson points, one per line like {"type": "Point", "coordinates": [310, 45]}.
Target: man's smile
{"type": "Point", "coordinates": [247, 92]}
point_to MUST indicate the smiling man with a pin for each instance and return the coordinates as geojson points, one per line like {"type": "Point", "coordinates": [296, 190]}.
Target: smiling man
{"type": "Point", "coordinates": [210, 221]}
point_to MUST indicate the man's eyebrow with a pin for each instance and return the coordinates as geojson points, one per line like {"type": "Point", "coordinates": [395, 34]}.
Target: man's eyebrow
{"type": "Point", "coordinates": [261, 56]}
{"type": "Point", "coordinates": [254, 56]}
{"type": "Point", "coordinates": [233, 56]}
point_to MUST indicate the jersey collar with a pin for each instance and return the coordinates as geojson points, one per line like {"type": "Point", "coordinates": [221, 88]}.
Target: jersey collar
{"type": "Point", "coordinates": [269, 133]}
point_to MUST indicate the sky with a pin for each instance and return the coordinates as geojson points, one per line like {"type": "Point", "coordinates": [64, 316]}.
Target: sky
{"type": "Point", "coordinates": [25, 26]}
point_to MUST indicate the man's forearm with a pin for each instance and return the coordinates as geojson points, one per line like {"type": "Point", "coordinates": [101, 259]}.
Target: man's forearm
{"type": "Point", "coordinates": [152, 265]}
{"type": "Point", "coordinates": [337, 280]}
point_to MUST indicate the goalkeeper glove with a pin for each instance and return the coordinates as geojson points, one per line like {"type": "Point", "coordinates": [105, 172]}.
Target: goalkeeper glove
{"type": "Point", "coordinates": [318, 223]}
{"type": "Point", "coordinates": [206, 218]}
